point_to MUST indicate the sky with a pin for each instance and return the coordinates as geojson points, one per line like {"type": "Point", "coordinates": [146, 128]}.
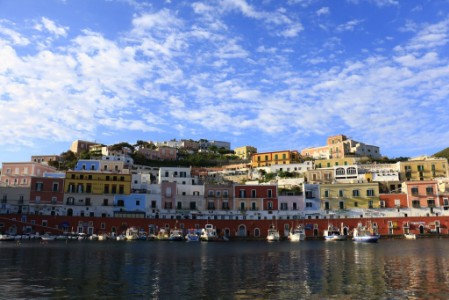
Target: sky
{"type": "Point", "coordinates": [273, 74]}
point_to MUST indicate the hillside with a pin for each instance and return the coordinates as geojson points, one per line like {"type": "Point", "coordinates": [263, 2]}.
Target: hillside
{"type": "Point", "coordinates": [443, 153]}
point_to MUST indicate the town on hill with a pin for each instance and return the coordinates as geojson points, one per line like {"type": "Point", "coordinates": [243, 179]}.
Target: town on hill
{"type": "Point", "coordinates": [206, 180]}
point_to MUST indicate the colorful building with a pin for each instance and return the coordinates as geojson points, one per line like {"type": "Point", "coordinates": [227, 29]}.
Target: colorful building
{"type": "Point", "coordinates": [274, 158]}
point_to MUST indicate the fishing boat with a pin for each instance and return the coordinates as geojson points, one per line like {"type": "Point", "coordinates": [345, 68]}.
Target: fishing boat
{"type": "Point", "coordinates": [208, 233]}
{"type": "Point", "coordinates": [365, 234]}
{"type": "Point", "coordinates": [192, 235]}
{"type": "Point", "coordinates": [334, 234]}
{"type": "Point", "coordinates": [273, 234]}
{"type": "Point", "coordinates": [163, 235]}
{"type": "Point", "coordinates": [131, 234]}
{"type": "Point", "coordinates": [410, 236]}
{"type": "Point", "coordinates": [297, 234]}
{"type": "Point", "coordinates": [176, 235]}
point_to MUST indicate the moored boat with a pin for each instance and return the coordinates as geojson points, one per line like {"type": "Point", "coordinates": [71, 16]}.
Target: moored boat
{"type": "Point", "coordinates": [410, 236]}
{"type": "Point", "coordinates": [273, 234]}
{"type": "Point", "coordinates": [208, 233]}
{"type": "Point", "coordinates": [297, 234]}
{"type": "Point", "coordinates": [6, 238]}
{"type": "Point", "coordinates": [333, 234]}
{"type": "Point", "coordinates": [48, 237]}
{"type": "Point", "coordinates": [176, 235]}
{"type": "Point", "coordinates": [365, 234]}
{"type": "Point", "coordinates": [192, 235]}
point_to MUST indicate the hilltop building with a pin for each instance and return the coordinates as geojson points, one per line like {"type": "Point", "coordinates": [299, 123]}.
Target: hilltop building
{"type": "Point", "coordinates": [79, 146]}
{"type": "Point", "coordinates": [245, 152]}
{"type": "Point", "coordinates": [339, 146]}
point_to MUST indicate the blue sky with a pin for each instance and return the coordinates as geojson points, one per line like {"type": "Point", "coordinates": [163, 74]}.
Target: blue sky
{"type": "Point", "coordinates": [276, 75]}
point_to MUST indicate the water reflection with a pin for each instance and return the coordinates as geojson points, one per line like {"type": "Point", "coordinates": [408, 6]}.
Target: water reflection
{"type": "Point", "coordinates": [387, 270]}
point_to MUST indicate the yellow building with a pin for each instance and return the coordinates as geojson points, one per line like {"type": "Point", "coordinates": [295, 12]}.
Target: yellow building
{"type": "Point", "coordinates": [97, 183]}
{"type": "Point", "coordinates": [349, 195]}
{"type": "Point", "coordinates": [245, 152]}
{"type": "Point", "coordinates": [274, 158]}
{"type": "Point", "coordinates": [333, 162]}
{"type": "Point", "coordinates": [423, 168]}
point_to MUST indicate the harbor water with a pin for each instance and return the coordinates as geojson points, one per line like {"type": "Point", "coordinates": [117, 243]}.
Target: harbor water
{"type": "Point", "coordinates": [390, 269]}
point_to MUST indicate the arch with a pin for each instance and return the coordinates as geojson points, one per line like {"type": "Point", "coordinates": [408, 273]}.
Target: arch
{"type": "Point", "coordinates": [227, 232]}
{"type": "Point", "coordinates": [241, 231]}
{"type": "Point", "coordinates": [351, 170]}
{"type": "Point", "coordinates": [70, 212]}
{"type": "Point", "coordinates": [421, 229]}
{"type": "Point", "coordinates": [340, 171]}
{"type": "Point", "coordinates": [256, 232]}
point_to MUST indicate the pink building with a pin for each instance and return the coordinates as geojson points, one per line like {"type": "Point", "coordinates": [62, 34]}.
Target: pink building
{"type": "Point", "coordinates": [20, 173]}
{"type": "Point", "coordinates": [421, 194]}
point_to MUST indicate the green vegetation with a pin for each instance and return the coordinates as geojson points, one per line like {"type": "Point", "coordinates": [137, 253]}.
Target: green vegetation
{"type": "Point", "coordinates": [443, 153]}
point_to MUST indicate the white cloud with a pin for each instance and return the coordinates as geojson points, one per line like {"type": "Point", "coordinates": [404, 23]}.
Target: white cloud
{"type": "Point", "coordinates": [51, 27]}
{"type": "Point", "coordinates": [430, 36]}
{"type": "Point", "coordinates": [14, 37]}
{"type": "Point", "coordinates": [348, 26]}
{"type": "Point", "coordinates": [323, 11]}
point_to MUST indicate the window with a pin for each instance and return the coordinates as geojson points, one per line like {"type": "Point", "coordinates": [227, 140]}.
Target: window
{"type": "Point", "coordinates": [340, 171]}
{"type": "Point", "coordinates": [217, 194]}
{"type": "Point", "coordinates": [309, 194]}
{"type": "Point", "coordinates": [341, 193]}
{"type": "Point", "coordinates": [326, 193]}
{"type": "Point", "coordinates": [253, 193]}
{"type": "Point", "coordinates": [121, 203]}
{"type": "Point", "coordinates": [415, 204]}
{"type": "Point", "coordinates": [429, 190]}
{"type": "Point", "coordinates": [39, 186]}
{"type": "Point", "coordinates": [210, 205]}
{"type": "Point", "coordinates": [270, 204]}
{"type": "Point", "coordinates": [308, 204]}
{"type": "Point", "coordinates": [355, 193]}
{"type": "Point", "coordinates": [284, 206]}
{"type": "Point", "coordinates": [269, 193]}
{"type": "Point", "coordinates": [414, 191]}
{"type": "Point", "coordinates": [370, 192]}
{"type": "Point", "coordinates": [137, 202]}
{"type": "Point", "coordinates": [179, 205]}
{"type": "Point", "coordinates": [225, 194]}
{"type": "Point", "coordinates": [352, 171]}
{"type": "Point", "coordinates": [430, 203]}
{"type": "Point", "coordinates": [242, 194]}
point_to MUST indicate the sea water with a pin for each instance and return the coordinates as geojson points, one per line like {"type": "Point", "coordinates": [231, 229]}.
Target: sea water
{"type": "Point", "coordinates": [390, 269]}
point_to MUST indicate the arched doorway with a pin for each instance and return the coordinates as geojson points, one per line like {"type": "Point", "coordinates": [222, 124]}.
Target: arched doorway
{"type": "Point", "coordinates": [256, 232]}
{"type": "Point", "coordinates": [70, 212]}
{"type": "Point", "coordinates": [227, 232]}
{"type": "Point", "coordinates": [421, 229]}
{"type": "Point", "coordinates": [242, 230]}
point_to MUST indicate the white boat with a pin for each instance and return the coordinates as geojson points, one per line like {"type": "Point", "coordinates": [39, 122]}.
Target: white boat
{"type": "Point", "coordinates": [48, 237]}
{"type": "Point", "coordinates": [208, 233]}
{"type": "Point", "coordinates": [176, 235]}
{"type": "Point", "coordinates": [273, 234]}
{"type": "Point", "coordinates": [365, 234]}
{"type": "Point", "coordinates": [163, 235]}
{"type": "Point", "coordinates": [131, 234]}
{"type": "Point", "coordinates": [297, 234]}
{"type": "Point", "coordinates": [6, 238]}
{"type": "Point", "coordinates": [333, 234]}
{"type": "Point", "coordinates": [192, 235]}
{"type": "Point", "coordinates": [102, 237]}
{"type": "Point", "coordinates": [410, 236]}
